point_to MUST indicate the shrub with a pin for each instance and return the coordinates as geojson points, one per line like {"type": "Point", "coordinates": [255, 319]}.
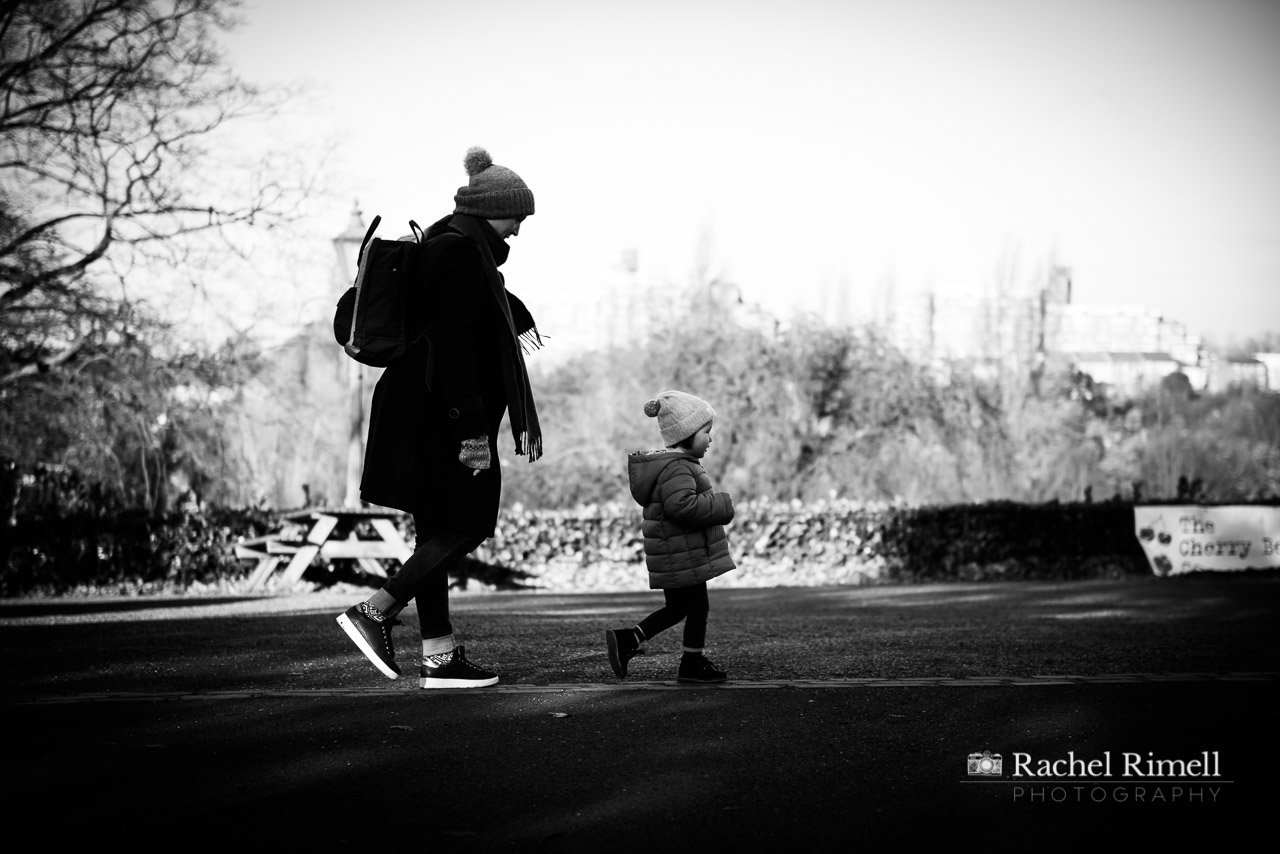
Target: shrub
{"type": "Point", "coordinates": [600, 547]}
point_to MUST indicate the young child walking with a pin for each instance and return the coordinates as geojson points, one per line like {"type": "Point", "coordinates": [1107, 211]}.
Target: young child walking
{"type": "Point", "coordinates": [685, 543]}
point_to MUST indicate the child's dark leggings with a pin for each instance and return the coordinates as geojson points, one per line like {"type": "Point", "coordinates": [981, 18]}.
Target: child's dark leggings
{"type": "Point", "coordinates": [683, 603]}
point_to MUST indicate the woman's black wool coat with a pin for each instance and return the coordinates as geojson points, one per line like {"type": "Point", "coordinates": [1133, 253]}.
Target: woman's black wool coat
{"type": "Point", "coordinates": [417, 422]}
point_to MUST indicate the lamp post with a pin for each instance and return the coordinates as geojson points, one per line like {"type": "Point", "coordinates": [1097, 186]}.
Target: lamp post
{"type": "Point", "coordinates": [347, 247]}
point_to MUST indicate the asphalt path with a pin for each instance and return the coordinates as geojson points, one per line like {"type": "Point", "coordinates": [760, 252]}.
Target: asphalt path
{"type": "Point", "coordinates": [849, 719]}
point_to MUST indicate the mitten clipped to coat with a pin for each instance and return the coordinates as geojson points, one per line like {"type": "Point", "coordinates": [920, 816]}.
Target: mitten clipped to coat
{"type": "Point", "coordinates": [475, 453]}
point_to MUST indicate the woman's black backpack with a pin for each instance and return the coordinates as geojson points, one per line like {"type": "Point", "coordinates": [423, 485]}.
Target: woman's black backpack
{"type": "Point", "coordinates": [370, 319]}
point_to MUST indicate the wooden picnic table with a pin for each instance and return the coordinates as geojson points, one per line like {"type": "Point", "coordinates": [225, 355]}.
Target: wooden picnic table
{"type": "Point", "coordinates": [331, 532]}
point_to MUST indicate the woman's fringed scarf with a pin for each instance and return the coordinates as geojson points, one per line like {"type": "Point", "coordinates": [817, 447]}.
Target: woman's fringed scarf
{"type": "Point", "coordinates": [523, 332]}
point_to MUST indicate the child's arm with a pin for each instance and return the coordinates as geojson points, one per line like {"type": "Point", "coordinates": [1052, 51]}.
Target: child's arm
{"type": "Point", "coordinates": [683, 505]}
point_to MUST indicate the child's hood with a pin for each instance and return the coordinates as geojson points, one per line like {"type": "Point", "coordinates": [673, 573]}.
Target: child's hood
{"type": "Point", "coordinates": [643, 468]}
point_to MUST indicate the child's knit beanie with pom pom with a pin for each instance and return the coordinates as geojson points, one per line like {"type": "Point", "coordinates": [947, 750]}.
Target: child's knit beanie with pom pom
{"type": "Point", "coordinates": [679, 415]}
{"type": "Point", "coordinates": [494, 192]}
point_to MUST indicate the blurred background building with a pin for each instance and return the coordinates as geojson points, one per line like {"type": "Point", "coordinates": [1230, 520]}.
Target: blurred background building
{"type": "Point", "coordinates": [1129, 348]}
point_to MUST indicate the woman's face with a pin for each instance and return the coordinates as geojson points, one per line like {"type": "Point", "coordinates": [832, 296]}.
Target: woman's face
{"type": "Point", "coordinates": [509, 227]}
{"type": "Point", "coordinates": [701, 441]}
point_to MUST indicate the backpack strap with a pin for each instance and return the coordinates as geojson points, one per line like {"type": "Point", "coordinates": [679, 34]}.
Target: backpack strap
{"type": "Point", "coordinates": [368, 235]}
{"type": "Point", "coordinates": [438, 238]}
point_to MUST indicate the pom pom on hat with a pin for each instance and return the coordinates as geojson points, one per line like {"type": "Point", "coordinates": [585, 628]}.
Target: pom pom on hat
{"type": "Point", "coordinates": [679, 415]}
{"type": "Point", "coordinates": [494, 192]}
{"type": "Point", "coordinates": [477, 160]}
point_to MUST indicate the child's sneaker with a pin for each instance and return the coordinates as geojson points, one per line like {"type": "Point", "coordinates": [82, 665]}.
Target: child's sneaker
{"type": "Point", "coordinates": [696, 667]}
{"type": "Point", "coordinates": [452, 670]}
{"type": "Point", "coordinates": [623, 646]}
{"type": "Point", "coordinates": [371, 633]}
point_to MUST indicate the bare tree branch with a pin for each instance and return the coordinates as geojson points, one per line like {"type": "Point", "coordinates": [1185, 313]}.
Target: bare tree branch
{"type": "Point", "coordinates": [36, 367]}
{"type": "Point", "coordinates": [110, 112]}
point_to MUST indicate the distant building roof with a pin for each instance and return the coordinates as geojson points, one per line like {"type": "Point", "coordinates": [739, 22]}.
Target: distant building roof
{"type": "Point", "coordinates": [1122, 356]}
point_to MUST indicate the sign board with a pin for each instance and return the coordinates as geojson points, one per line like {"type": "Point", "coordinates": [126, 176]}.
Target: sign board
{"type": "Point", "coordinates": [1182, 538]}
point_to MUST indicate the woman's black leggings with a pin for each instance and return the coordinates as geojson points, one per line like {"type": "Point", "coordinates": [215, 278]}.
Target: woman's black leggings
{"type": "Point", "coordinates": [425, 575]}
{"type": "Point", "coordinates": [683, 603]}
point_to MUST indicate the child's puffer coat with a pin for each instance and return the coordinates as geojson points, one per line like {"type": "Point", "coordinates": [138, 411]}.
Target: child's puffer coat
{"type": "Point", "coordinates": [684, 538]}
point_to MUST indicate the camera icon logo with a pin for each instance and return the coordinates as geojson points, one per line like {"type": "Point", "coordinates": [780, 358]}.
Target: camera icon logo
{"type": "Point", "coordinates": [985, 764]}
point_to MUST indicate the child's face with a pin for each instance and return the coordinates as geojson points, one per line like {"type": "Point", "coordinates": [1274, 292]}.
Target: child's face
{"type": "Point", "coordinates": [701, 441]}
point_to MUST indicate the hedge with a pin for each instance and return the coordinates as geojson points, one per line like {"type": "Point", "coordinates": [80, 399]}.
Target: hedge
{"type": "Point", "coordinates": [128, 552]}
{"type": "Point", "coordinates": [599, 548]}
{"type": "Point", "coordinates": [794, 544]}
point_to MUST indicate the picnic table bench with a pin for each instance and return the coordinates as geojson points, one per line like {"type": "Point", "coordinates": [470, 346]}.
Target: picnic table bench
{"type": "Point", "coordinates": [331, 532]}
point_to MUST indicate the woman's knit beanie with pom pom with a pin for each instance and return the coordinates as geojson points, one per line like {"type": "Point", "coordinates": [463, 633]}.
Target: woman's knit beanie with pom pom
{"type": "Point", "coordinates": [494, 192]}
{"type": "Point", "coordinates": [679, 415]}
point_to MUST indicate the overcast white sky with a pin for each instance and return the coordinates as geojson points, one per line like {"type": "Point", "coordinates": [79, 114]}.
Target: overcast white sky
{"type": "Point", "coordinates": [880, 147]}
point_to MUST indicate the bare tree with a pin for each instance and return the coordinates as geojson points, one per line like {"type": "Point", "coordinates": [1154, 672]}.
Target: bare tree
{"type": "Point", "coordinates": [106, 111]}
{"type": "Point", "coordinates": [111, 166]}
